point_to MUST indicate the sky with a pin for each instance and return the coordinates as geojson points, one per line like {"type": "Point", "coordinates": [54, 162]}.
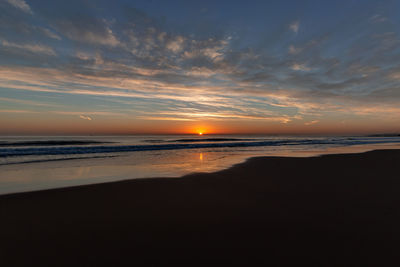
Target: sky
{"type": "Point", "coordinates": [133, 67]}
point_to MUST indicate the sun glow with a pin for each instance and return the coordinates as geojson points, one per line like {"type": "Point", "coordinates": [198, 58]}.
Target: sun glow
{"type": "Point", "coordinates": [200, 130]}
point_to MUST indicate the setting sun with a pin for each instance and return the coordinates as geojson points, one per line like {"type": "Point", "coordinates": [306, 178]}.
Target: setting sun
{"type": "Point", "coordinates": [200, 130]}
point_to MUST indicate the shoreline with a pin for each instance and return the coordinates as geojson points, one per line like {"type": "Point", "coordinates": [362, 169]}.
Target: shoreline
{"type": "Point", "coordinates": [277, 210]}
{"type": "Point", "coordinates": [342, 150]}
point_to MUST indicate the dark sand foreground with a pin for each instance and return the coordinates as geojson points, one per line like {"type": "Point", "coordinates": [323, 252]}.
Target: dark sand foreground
{"type": "Point", "coordinates": [329, 210]}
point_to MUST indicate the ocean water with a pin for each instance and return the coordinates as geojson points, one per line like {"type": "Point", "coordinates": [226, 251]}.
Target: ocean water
{"type": "Point", "coordinates": [42, 162]}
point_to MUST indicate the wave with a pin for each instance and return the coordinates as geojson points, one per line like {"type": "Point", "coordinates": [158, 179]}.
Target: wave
{"type": "Point", "coordinates": [211, 140]}
{"type": "Point", "coordinates": [59, 159]}
{"type": "Point", "coordinates": [12, 152]}
{"type": "Point", "coordinates": [198, 140]}
{"type": "Point", "coordinates": [51, 143]}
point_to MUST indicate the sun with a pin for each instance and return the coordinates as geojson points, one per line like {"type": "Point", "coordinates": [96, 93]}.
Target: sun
{"type": "Point", "coordinates": [200, 130]}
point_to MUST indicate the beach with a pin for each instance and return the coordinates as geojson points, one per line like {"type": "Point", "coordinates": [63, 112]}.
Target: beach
{"type": "Point", "coordinates": [337, 209]}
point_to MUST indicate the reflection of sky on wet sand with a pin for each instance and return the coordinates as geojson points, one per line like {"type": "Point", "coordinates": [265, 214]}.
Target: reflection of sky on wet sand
{"type": "Point", "coordinates": [44, 175]}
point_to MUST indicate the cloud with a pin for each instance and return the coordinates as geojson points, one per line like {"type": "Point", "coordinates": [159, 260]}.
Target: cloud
{"type": "Point", "coordinates": [311, 122]}
{"type": "Point", "coordinates": [294, 50]}
{"type": "Point", "coordinates": [378, 18]}
{"type": "Point", "coordinates": [176, 45]}
{"type": "Point", "coordinates": [295, 26]}
{"type": "Point", "coordinates": [153, 71]}
{"type": "Point", "coordinates": [50, 34]}
{"type": "Point", "coordinates": [300, 67]}
{"type": "Point", "coordinates": [207, 53]}
{"type": "Point", "coordinates": [16, 111]}
{"type": "Point", "coordinates": [83, 117]}
{"type": "Point", "coordinates": [80, 113]}
{"type": "Point", "coordinates": [394, 76]}
{"type": "Point", "coordinates": [87, 30]}
{"type": "Point", "coordinates": [211, 103]}
{"type": "Point", "coordinates": [25, 102]}
{"type": "Point", "coordinates": [216, 116]}
{"type": "Point", "coordinates": [21, 4]}
{"type": "Point", "coordinates": [34, 48]}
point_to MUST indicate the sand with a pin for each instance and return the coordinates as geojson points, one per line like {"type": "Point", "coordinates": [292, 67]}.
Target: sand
{"type": "Point", "coordinates": [328, 210]}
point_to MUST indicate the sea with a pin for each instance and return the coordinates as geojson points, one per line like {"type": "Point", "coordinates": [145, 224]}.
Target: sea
{"type": "Point", "coordinates": [31, 163]}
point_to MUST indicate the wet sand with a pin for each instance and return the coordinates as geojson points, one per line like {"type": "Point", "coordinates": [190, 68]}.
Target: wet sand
{"type": "Point", "coordinates": [328, 210]}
